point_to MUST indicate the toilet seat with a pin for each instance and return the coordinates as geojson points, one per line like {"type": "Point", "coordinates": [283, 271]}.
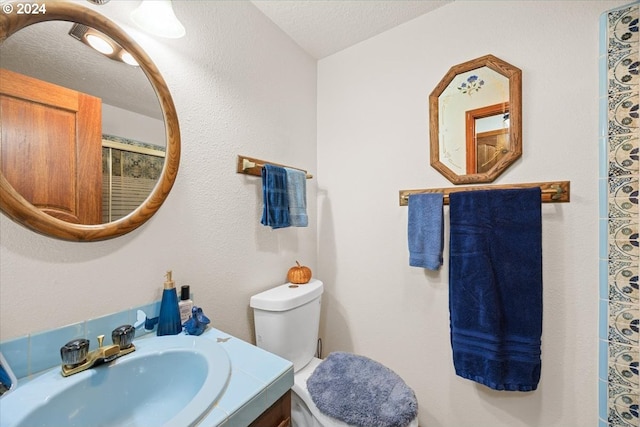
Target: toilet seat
{"type": "Point", "coordinates": [300, 390]}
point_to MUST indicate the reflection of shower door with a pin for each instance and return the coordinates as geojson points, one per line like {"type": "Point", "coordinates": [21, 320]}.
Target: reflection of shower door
{"type": "Point", "coordinates": [50, 145]}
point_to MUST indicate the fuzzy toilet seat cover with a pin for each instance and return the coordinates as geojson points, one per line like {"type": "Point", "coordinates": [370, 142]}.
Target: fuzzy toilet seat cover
{"type": "Point", "coordinates": [362, 392]}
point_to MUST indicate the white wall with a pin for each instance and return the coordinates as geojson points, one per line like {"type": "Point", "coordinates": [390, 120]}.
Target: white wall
{"type": "Point", "coordinates": [240, 87]}
{"type": "Point", "coordinates": [138, 127]}
{"type": "Point", "coordinates": [373, 140]}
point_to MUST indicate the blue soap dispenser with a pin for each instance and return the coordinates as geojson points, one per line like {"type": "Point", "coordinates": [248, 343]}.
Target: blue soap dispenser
{"type": "Point", "coordinates": [169, 319]}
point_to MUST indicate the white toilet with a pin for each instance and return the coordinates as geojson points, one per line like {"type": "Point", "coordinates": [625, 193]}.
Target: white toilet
{"type": "Point", "coordinates": [287, 319]}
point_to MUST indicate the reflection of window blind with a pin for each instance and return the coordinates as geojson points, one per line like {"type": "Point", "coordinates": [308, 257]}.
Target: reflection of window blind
{"type": "Point", "coordinates": [126, 194]}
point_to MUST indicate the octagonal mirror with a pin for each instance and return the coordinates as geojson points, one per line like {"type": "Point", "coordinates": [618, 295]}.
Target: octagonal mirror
{"type": "Point", "coordinates": [475, 117]}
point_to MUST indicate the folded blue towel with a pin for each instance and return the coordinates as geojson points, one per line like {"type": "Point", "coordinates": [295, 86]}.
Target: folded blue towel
{"type": "Point", "coordinates": [495, 287]}
{"type": "Point", "coordinates": [297, 193]}
{"type": "Point", "coordinates": [361, 392]}
{"type": "Point", "coordinates": [275, 212]}
{"type": "Point", "coordinates": [426, 230]}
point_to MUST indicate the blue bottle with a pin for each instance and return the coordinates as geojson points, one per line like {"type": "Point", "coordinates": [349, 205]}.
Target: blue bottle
{"type": "Point", "coordinates": [169, 319]}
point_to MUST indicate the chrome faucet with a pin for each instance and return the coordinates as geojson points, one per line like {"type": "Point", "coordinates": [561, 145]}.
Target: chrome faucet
{"type": "Point", "coordinates": [76, 356]}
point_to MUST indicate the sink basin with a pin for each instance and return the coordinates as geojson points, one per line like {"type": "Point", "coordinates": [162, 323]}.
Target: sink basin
{"type": "Point", "coordinates": [167, 381]}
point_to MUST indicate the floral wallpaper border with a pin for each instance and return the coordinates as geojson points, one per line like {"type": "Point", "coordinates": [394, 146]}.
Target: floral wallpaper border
{"type": "Point", "coordinates": [619, 253]}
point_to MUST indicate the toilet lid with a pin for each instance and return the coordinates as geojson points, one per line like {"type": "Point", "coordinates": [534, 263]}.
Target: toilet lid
{"type": "Point", "coordinates": [361, 391]}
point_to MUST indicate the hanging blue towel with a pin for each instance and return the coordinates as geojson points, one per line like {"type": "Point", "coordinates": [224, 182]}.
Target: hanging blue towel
{"type": "Point", "coordinates": [425, 230]}
{"type": "Point", "coordinates": [297, 193]}
{"type": "Point", "coordinates": [275, 212]}
{"type": "Point", "coordinates": [495, 287]}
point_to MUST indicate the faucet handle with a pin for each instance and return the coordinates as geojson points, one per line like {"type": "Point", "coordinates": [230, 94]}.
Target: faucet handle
{"type": "Point", "coordinates": [123, 336]}
{"type": "Point", "coordinates": [74, 352]}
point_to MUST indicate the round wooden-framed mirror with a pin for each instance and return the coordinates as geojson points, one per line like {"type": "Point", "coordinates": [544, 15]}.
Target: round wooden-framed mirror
{"type": "Point", "coordinates": [18, 208]}
{"type": "Point", "coordinates": [475, 120]}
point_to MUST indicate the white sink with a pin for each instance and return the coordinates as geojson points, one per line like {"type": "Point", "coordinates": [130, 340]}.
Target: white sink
{"type": "Point", "coordinates": [167, 381]}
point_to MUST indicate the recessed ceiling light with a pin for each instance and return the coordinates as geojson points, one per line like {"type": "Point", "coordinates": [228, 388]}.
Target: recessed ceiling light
{"type": "Point", "coordinates": [102, 43]}
{"type": "Point", "coordinates": [99, 44]}
{"type": "Point", "coordinates": [128, 58]}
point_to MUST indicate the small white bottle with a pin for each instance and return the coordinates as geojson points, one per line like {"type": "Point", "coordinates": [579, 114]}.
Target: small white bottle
{"type": "Point", "coordinates": [185, 304]}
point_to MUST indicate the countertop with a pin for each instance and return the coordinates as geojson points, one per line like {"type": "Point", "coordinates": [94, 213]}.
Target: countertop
{"type": "Point", "coordinates": [258, 379]}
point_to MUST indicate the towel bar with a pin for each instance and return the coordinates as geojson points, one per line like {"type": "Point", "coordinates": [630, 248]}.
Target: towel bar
{"type": "Point", "coordinates": [552, 191]}
{"type": "Point", "coordinates": [251, 166]}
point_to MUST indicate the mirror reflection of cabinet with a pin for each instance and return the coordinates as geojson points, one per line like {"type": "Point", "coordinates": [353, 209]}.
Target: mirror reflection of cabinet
{"type": "Point", "coordinates": [51, 147]}
{"type": "Point", "coordinates": [487, 137]}
{"type": "Point", "coordinates": [56, 131]}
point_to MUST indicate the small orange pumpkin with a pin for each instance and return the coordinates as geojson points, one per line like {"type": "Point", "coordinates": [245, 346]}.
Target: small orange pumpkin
{"type": "Point", "coordinates": [299, 274]}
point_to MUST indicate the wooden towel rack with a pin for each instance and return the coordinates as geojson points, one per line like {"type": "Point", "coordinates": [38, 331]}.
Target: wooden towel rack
{"type": "Point", "coordinates": [251, 166]}
{"type": "Point", "coordinates": [552, 192]}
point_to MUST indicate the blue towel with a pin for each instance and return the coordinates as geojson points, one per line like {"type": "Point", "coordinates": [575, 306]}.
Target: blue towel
{"type": "Point", "coordinates": [495, 287]}
{"type": "Point", "coordinates": [362, 392]}
{"type": "Point", "coordinates": [426, 230]}
{"type": "Point", "coordinates": [275, 212]}
{"type": "Point", "coordinates": [297, 193]}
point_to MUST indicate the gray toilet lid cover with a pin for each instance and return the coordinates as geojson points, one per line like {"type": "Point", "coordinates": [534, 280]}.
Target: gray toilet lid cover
{"type": "Point", "coordinates": [362, 392]}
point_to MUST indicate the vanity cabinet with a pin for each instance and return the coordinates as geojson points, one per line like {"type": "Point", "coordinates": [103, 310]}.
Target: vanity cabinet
{"type": "Point", "coordinates": [278, 415]}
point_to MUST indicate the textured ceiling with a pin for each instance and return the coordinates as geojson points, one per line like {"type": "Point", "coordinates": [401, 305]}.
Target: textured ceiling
{"type": "Point", "coordinates": [324, 27]}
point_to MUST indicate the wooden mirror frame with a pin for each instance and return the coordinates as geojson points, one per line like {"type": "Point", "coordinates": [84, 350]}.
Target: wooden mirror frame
{"type": "Point", "coordinates": [514, 75]}
{"type": "Point", "coordinates": [20, 210]}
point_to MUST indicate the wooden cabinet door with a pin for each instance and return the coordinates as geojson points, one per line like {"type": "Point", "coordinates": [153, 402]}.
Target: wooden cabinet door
{"type": "Point", "coordinates": [50, 147]}
{"type": "Point", "coordinates": [278, 415]}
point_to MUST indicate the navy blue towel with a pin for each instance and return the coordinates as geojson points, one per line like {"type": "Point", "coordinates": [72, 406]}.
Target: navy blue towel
{"type": "Point", "coordinates": [495, 287]}
{"type": "Point", "coordinates": [275, 211]}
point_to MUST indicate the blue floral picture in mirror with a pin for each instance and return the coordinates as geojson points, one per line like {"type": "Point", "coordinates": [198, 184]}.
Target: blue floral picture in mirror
{"type": "Point", "coordinates": [471, 85]}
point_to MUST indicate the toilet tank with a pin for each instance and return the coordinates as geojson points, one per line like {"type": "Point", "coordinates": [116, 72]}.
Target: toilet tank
{"type": "Point", "coordinates": [287, 319]}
